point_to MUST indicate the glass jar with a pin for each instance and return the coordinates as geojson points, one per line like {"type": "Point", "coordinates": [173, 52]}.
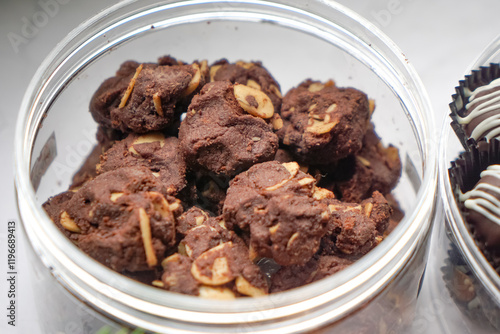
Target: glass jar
{"type": "Point", "coordinates": [295, 40]}
{"type": "Point", "coordinates": [466, 289]}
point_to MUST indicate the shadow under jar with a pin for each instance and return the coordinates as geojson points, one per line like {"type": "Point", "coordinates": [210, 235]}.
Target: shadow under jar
{"type": "Point", "coordinates": [294, 41]}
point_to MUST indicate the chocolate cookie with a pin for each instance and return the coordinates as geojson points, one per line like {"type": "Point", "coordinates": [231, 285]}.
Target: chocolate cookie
{"type": "Point", "coordinates": [177, 276]}
{"type": "Point", "coordinates": [323, 123]}
{"type": "Point", "coordinates": [277, 205]}
{"type": "Point", "coordinates": [350, 179]}
{"type": "Point", "coordinates": [252, 74]}
{"type": "Point", "coordinates": [168, 60]}
{"type": "Point", "coordinates": [396, 216]}
{"type": "Point", "coordinates": [356, 228]}
{"type": "Point", "coordinates": [221, 272]}
{"type": "Point", "coordinates": [105, 139]}
{"type": "Point", "coordinates": [211, 190]}
{"type": "Point", "coordinates": [291, 277]}
{"type": "Point", "coordinates": [145, 97]}
{"type": "Point", "coordinates": [191, 218]}
{"type": "Point", "coordinates": [383, 162]}
{"type": "Point", "coordinates": [374, 168]}
{"type": "Point", "coordinates": [55, 205]}
{"type": "Point", "coordinates": [210, 233]}
{"type": "Point", "coordinates": [224, 130]}
{"type": "Point", "coordinates": [123, 219]}
{"type": "Point", "coordinates": [152, 150]}
{"type": "Point", "coordinates": [283, 155]}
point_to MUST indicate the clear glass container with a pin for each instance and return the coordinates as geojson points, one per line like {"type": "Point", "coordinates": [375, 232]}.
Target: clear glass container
{"type": "Point", "coordinates": [465, 287]}
{"type": "Point", "coordinates": [294, 40]}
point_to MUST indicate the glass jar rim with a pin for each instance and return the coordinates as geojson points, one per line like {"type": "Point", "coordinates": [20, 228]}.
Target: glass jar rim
{"type": "Point", "coordinates": [320, 293]}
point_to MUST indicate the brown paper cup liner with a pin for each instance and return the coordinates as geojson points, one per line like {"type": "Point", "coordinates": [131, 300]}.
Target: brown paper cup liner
{"type": "Point", "coordinates": [464, 174]}
{"type": "Point", "coordinates": [464, 286]}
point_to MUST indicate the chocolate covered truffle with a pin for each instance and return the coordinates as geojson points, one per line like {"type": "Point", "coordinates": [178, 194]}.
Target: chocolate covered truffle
{"type": "Point", "coordinates": [480, 116]}
{"type": "Point", "coordinates": [483, 206]}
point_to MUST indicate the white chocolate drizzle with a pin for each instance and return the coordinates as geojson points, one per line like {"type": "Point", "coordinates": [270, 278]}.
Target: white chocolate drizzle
{"type": "Point", "coordinates": [483, 202]}
{"type": "Point", "coordinates": [484, 104]}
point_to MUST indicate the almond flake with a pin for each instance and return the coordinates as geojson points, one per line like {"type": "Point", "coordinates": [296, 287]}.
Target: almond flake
{"type": "Point", "coordinates": [68, 223]}
{"type": "Point", "coordinates": [146, 238]}
{"type": "Point", "coordinates": [245, 288]}
{"type": "Point", "coordinates": [219, 293]}
{"type": "Point", "coordinates": [195, 81]}
{"type": "Point", "coordinates": [157, 103]}
{"type": "Point", "coordinates": [130, 87]}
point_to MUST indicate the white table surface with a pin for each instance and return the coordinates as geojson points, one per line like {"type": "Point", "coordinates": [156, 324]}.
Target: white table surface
{"type": "Point", "coordinates": [441, 38]}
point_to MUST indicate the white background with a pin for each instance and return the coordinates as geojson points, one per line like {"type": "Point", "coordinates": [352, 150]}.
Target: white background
{"type": "Point", "coordinates": [441, 38]}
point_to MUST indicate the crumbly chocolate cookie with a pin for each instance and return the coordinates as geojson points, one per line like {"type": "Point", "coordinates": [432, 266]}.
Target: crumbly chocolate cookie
{"type": "Point", "coordinates": [105, 139]}
{"type": "Point", "coordinates": [374, 168]}
{"type": "Point", "coordinates": [278, 206]}
{"type": "Point", "coordinates": [145, 97]}
{"type": "Point", "coordinates": [224, 130]}
{"type": "Point", "coordinates": [350, 179]}
{"type": "Point", "coordinates": [396, 216]}
{"type": "Point", "coordinates": [152, 150]}
{"type": "Point", "coordinates": [384, 163]}
{"type": "Point", "coordinates": [203, 237]}
{"type": "Point", "coordinates": [123, 219]}
{"type": "Point", "coordinates": [252, 74]}
{"type": "Point", "coordinates": [177, 276]}
{"type": "Point", "coordinates": [356, 228]}
{"type": "Point", "coordinates": [283, 155]}
{"type": "Point", "coordinates": [55, 205]}
{"type": "Point", "coordinates": [191, 218]}
{"type": "Point", "coordinates": [290, 277]}
{"type": "Point", "coordinates": [221, 272]}
{"type": "Point", "coordinates": [211, 190]}
{"type": "Point", "coordinates": [323, 123]}
{"type": "Point", "coordinates": [168, 60]}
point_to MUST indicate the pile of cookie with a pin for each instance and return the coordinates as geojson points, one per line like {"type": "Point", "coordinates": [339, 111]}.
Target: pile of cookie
{"type": "Point", "coordinates": [206, 181]}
